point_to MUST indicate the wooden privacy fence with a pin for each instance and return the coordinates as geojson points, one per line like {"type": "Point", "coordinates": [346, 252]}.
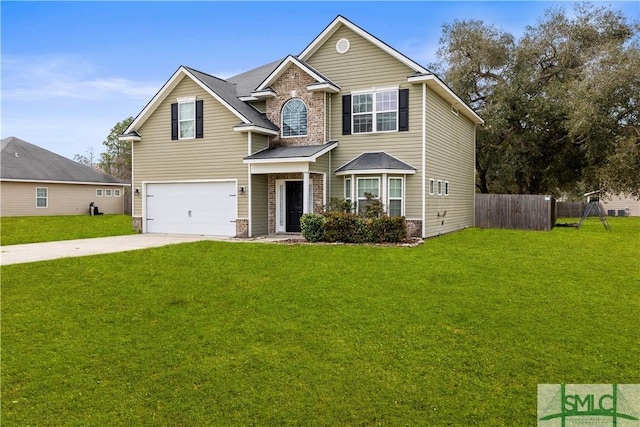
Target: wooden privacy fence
{"type": "Point", "coordinates": [570, 209]}
{"type": "Point", "coordinates": [515, 211]}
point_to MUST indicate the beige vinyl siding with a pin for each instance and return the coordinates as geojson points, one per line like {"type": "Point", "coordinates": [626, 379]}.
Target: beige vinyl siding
{"type": "Point", "coordinates": [260, 106]}
{"type": "Point", "coordinates": [258, 142]}
{"type": "Point", "coordinates": [450, 156]}
{"type": "Point", "coordinates": [381, 70]}
{"type": "Point", "coordinates": [216, 156]}
{"type": "Point", "coordinates": [19, 199]}
{"type": "Point", "coordinates": [321, 165]}
{"type": "Point", "coordinates": [259, 205]}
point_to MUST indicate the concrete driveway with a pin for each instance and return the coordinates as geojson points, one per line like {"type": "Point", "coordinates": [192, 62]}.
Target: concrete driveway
{"type": "Point", "coordinates": [32, 252]}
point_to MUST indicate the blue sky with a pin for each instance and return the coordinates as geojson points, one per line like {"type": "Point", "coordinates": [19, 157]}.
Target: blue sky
{"type": "Point", "coordinates": [72, 70]}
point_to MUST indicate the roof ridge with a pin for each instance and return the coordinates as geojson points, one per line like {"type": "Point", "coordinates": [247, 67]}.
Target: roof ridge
{"type": "Point", "coordinates": [208, 75]}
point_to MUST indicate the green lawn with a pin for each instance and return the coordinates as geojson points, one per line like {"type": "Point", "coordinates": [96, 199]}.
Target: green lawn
{"type": "Point", "coordinates": [458, 331]}
{"type": "Point", "coordinates": [31, 229]}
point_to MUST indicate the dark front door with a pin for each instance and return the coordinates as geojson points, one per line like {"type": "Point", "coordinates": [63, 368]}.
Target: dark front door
{"type": "Point", "coordinates": [294, 205]}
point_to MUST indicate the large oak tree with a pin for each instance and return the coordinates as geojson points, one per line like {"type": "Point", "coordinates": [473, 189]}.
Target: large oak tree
{"type": "Point", "coordinates": [560, 103]}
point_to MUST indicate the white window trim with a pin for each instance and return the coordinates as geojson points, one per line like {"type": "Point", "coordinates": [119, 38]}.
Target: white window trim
{"type": "Point", "coordinates": [374, 112]}
{"type": "Point", "coordinates": [108, 192]}
{"type": "Point", "coordinates": [117, 192]}
{"type": "Point", "coordinates": [432, 186]}
{"type": "Point", "coordinates": [282, 119]}
{"type": "Point", "coordinates": [182, 101]}
{"type": "Point", "coordinates": [439, 187]}
{"type": "Point", "coordinates": [401, 198]}
{"type": "Point", "coordinates": [46, 198]}
{"type": "Point", "coordinates": [446, 188]}
{"type": "Point", "coordinates": [347, 184]}
{"type": "Point", "coordinates": [357, 195]}
{"type": "Point", "coordinates": [99, 192]}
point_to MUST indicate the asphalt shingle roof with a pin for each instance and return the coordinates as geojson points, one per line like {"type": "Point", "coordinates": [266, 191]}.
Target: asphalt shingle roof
{"type": "Point", "coordinates": [21, 160]}
{"type": "Point", "coordinates": [228, 92]}
{"type": "Point", "coordinates": [290, 152]}
{"type": "Point", "coordinates": [375, 161]}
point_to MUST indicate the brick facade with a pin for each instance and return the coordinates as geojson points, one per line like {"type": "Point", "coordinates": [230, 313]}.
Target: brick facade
{"type": "Point", "coordinates": [293, 84]}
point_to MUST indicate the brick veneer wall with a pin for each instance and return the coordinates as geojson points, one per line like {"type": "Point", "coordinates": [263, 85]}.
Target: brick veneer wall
{"type": "Point", "coordinates": [414, 228]}
{"type": "Point", "coordinates": [242, 227]}
{"type": "Point", "coordinates": [293, 84]}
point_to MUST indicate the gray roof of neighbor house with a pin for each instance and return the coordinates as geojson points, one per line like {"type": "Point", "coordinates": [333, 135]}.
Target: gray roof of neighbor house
{"type": "Point", "coordinates": [376, 161]}
{"type": "Point", "coordinates": [20, 160]}
{"type": "Point", "coordinates": [291, 152]}
{"type": "Point", "coordinates": [228, 92]}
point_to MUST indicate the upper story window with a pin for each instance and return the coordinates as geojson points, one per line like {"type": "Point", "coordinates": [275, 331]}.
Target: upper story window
{"type": "Point", "coordinates": [375, 112]}
{"type": "Point", "coordinates": [187, 119]}
{"type": "Point", "coordinates": [385, 110]}
{"type": "Point", "coordinates": [294, 118]}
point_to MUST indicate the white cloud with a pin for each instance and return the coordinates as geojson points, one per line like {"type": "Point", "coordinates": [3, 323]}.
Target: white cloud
{"type": "Point", "coordinates": [45, 77]}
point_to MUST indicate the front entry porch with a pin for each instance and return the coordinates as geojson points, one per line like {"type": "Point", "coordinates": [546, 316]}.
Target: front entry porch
{"type": "Point", "coordinates": [288, 200]}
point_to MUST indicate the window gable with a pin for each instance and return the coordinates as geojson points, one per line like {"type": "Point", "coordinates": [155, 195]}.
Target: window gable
{"type": "Point", "coordinates": [294, 118]}
{"type": "Point", "coordinates": [187, 119]}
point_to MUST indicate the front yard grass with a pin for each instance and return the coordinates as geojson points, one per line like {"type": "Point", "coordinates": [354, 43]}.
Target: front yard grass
{"type": "Point", "coordinates": [32, 229]}
{"type": "Point", "coordinates": [458, 331]}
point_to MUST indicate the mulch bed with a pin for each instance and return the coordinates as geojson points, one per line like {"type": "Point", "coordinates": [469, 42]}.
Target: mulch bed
{"type": "Point", "coordinates": [409, 242]}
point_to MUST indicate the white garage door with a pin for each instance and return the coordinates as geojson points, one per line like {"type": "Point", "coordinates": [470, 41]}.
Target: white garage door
{"type": "Point", "coordinates": [208, 208]}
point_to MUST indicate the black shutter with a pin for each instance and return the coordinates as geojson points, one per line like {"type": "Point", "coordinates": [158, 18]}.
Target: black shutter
{"type": "Point", "coordinates": [346, 114]}
{"type": "Point", "coordinates": [174, 121]}
{"type": "Point", "coordinates": [199, 121]}
{"type": "Point", "coordinates": [403, 111]}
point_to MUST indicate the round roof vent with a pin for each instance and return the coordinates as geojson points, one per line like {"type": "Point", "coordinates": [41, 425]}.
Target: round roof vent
{"type": "Point", "coordinates": [343, 46]}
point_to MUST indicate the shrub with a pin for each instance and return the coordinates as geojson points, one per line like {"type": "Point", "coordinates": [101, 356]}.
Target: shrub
{"type": "Point", "coordinates": [340, 205]}
{"type": "Point", "coordinates": [344, 227]}
{"type": "Point", "coordinates": [313, 227]}
{"type": "Point", "coordinates": [388, 229]}
{"type": "Point", "coordinates": [372, 208]}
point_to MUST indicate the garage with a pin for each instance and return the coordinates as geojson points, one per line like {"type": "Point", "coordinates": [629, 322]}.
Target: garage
{"type": "Point", "coordinates": [208, 208]}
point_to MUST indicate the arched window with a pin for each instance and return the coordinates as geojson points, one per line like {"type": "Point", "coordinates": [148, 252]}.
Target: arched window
{"type": "Point", "coordinates": [294, 118]}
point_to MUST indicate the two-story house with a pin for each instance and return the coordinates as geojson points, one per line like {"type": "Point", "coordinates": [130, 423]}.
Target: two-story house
{"type": "Point", "coordinates": [349, 115]}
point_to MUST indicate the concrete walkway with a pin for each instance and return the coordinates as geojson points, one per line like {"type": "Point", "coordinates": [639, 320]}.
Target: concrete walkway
{"type": "Point", "coordinates": [32, 252]}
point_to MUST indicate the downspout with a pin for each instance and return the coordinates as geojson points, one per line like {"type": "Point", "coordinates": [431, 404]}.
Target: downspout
{"type": "Point", "coordinates": [424, 159]}
{"type": "Point", "coordinates": [249, 192]}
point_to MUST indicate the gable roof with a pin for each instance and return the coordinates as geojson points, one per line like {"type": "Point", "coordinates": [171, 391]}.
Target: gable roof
{"type": "Point", "coordinates": [233, 92]}
{"type": "Point", "coordinates": [292, 60]}
{"type": "Point", "coordinates": [222, 90]}
{"type": "Point", "coordinates": [340, 21]}
{"type": "Point", "coordinates": [421, 74]}
{"type": "Point", "coordinates": [22, 161]}
{"type": "Point", "coordinates": [379, 162]}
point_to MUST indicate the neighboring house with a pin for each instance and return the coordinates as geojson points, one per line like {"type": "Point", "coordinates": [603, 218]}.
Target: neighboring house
{"type": "Point", "coordinates": [347, 116]}
{"type": "Point", "coordinates": [620, 205]}
{"type": "Point", "coordinates": [35, 181]}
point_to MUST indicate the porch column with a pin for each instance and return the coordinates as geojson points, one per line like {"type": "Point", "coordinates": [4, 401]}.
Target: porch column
{"type": "Point", "coordinates": [305, 192]}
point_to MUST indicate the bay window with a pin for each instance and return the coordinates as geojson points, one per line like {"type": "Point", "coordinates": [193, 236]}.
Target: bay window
{"type": "Point", "coordinates": [367, 186]}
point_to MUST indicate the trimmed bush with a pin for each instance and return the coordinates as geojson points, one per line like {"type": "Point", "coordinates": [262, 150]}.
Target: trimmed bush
{"type": "Point", "coordinates": [344, 227]}
{"type": "Point", "coordinates": [388, 229]}
{"type": "Point", "coordinates": [313, 227]}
